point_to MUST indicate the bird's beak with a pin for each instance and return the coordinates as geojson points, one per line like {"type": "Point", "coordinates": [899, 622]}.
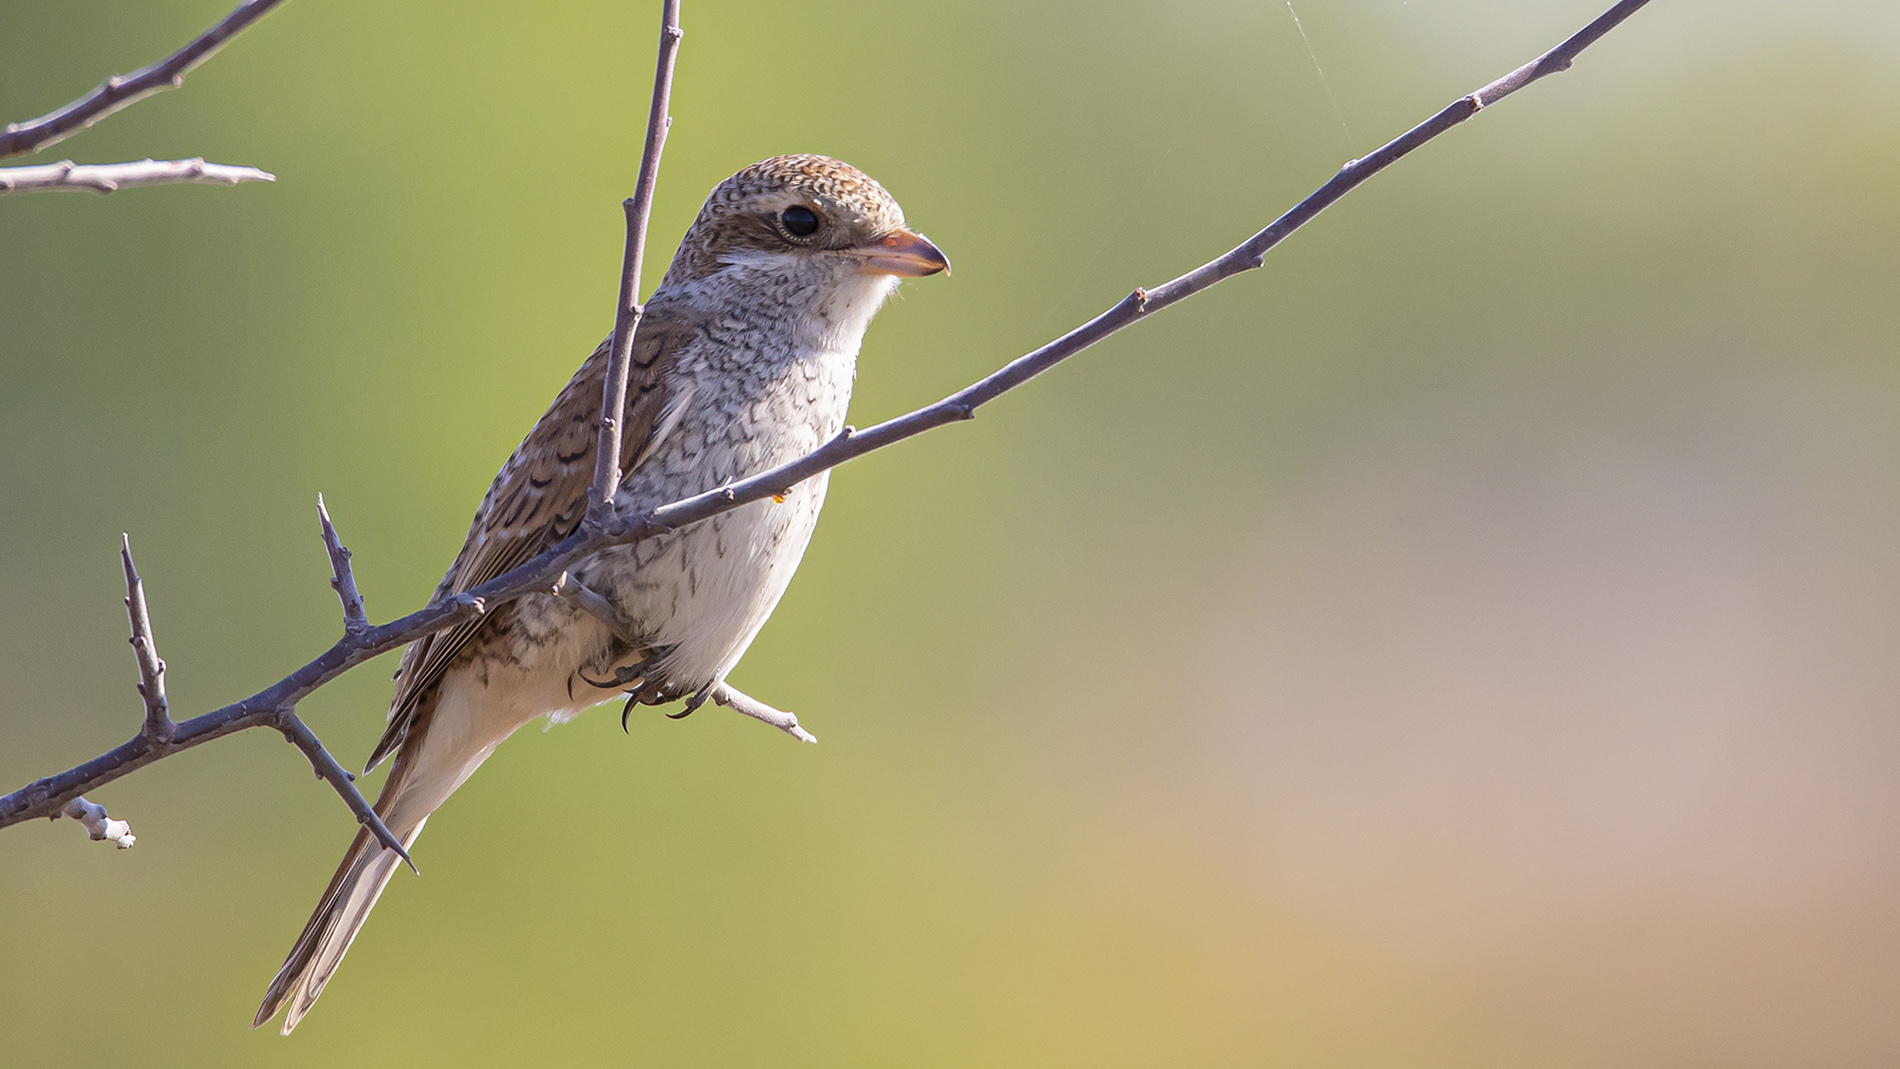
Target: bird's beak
{"type": "Point", "coordinates": [904, 254]}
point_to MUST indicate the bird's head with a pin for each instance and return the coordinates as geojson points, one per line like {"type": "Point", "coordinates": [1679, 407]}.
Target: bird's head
{"type": "Point", "coordinates": [808, 219]}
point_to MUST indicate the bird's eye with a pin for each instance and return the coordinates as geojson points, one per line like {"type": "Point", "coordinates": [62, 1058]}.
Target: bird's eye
{"type": "Point", "coordinates": [800, 221]}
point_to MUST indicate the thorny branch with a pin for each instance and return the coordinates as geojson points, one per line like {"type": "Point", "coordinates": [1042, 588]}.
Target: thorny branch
{"type": "Point", "coordinates": [161, 735]}
{"type": "Point", "coordinates": [46, 797]}
{"type": "Point", "coordinates": [275, 707]}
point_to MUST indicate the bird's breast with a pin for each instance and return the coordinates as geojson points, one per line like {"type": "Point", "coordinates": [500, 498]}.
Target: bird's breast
{"type": "Point", "coordinates": [704, 591]}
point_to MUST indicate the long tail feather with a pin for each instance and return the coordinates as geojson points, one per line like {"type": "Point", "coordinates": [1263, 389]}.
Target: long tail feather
{"type": "Point", "coordinates": [345, 905]}
{"type": "Point", "coordinates": [353, 892]}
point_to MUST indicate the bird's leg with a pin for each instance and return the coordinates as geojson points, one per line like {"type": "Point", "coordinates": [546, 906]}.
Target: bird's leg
{"type": "Point", "coordinates": [577, 594]}
{"type": "Point", "coordinates": [572, 591]}
{"type": "Point", "coordinates": [732, 699]}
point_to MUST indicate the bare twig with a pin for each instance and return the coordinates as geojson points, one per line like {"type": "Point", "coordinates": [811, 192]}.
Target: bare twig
{"type": "Point", "coordinates": [110, 177]}
{"type": "Point", "coordinates": [613, 402]}
{"type": "Point", "coordinates": [725, 694]}
{"type": "Point", "coordinates": [101, 827]}
{"type": "Point", "coordinates": [120, 91]}
{"type": "Point", "coordinates": [158, 721]}
{"type": "Point", "coordinates": [46, 796]}
{"type": "Point", "coordinates": [327, 769]}
{"type": "Point", "coordinates": [343, 580]}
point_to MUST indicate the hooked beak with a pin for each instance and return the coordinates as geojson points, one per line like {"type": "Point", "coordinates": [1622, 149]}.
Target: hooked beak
{"type": "Point", "coordinates": [904, 254]}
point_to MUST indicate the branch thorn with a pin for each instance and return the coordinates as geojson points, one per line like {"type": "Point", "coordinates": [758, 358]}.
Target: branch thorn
{"type": "Point", "coordinates": [159, 727]}
{"type": "Point", "coordinates": [342, 579]}
{"type": "Point", "coordinates": [326, 767]}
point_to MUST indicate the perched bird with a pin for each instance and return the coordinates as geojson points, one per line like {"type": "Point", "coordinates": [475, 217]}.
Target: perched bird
{"type": "Point", "coordinates": [743, 361]}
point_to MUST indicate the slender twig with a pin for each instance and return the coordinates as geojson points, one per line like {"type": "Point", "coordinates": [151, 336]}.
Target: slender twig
{"type": "Point", "coordinates": [159, 727]}
{"type": "Point", "coordinates": [613, 402]}
{"type": "Point", "coordinates": [44, 797]}
{"type": "Point", "coordinates": [120, 91]}
{"type": "Point", "coordinates": [343, 580]}
{"type": "Point", "coordinates": [110, 177]}
{"type": "Point", "coordinates": [725, 694]}
{"type": "Point", "coordinates": [328, 769]}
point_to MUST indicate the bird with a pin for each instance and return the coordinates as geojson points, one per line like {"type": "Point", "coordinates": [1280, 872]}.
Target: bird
{"type": "Point", "coordinates": [743, 360]}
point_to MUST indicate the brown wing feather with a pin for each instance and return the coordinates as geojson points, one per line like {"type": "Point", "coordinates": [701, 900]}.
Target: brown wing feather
{"type": "Point", "coordinates": [537, 499]}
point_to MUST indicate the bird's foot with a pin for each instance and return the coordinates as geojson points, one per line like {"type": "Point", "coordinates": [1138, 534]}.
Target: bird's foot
{"type": "Point", "coordinates": [624, 676]}
{"type": "Point", "coordinates": [698, 699]}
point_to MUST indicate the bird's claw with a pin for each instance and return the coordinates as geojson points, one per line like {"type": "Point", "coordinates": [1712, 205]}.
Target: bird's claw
{"type": "Point", "coordinates": [625, 674]}
{"type": "Point", "coordinates": [692, 703]}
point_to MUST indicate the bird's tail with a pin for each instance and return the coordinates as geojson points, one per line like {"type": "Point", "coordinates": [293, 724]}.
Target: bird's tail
{"type": "Point", "coordinates": [436, 756]}
{"type": "Point", "coordinates": [345, 905]}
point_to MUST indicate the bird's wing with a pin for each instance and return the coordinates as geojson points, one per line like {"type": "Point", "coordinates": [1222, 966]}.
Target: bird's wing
{"type": "Point", "coordinates": [538, 498]}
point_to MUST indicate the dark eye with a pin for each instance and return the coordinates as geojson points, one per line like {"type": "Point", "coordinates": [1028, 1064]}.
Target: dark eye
{"type": "Point", "coordinates": [800, 221]}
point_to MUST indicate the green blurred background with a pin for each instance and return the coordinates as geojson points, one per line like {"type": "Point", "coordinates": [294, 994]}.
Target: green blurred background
{"type": "Point", "coordinates": [1469, 641]}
